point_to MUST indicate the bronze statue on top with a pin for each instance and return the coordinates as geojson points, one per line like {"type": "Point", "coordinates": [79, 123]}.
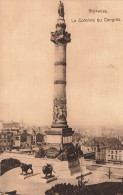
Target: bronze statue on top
{"type": "Point", "coordinates": [61, 9]}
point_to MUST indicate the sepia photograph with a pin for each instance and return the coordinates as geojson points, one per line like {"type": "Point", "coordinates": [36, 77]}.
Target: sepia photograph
{"type": "Point", "coordinates": [61, 97]}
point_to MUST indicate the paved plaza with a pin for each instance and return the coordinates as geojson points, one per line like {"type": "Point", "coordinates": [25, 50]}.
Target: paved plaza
{"type": "Point", "coordinates": [33, 185]}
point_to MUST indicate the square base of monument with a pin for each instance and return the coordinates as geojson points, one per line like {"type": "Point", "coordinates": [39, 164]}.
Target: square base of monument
{"type": "Point", "coordinates": [59, 136]}
{"type": "Point", "coordinates": [68, 169]}
{"type": "Point", "coordinates": [65, 169]}
{"type": "Point", "coordinates": [48, 180]}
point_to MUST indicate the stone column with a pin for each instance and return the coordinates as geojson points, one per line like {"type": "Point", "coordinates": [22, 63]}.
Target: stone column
{"type": "Point", "coordinates": [60, 133]}
{"type": "Point", "coordinates": [59, 109]}
{"type": "Point", "coordinates": [60, 38]}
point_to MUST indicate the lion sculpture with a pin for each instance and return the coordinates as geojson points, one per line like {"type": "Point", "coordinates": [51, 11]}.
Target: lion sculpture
{"type": "Point", "coordinates": [47, 170]}
{"type": "Point", "coordinates": [25, 168]}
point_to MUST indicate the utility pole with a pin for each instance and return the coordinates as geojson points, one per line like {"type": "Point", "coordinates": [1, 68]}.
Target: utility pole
{"type": "Point", "coordinates": [109, 173]}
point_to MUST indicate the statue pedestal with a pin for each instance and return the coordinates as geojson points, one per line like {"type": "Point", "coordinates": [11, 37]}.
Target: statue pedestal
{"type": "Point", "coordinates": [65, 169]}
{"type": "Point", "coordinates": [25, 176]}
{"type": "Point", "coordinates": [48, 180]}
{"type": "Point", "coordinates": [59, 135]}
{"type": "Point", "coordinates": [68, 169]}
{"type": "Point", "coordinates": [82, 165]}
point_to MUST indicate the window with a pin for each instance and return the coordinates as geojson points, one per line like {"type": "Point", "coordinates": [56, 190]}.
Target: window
{"type": "Point", "coordinates": [109, 157]}
{"type": "Point", "coordinates": [112, 157]}
{"type": "Point", "coordinates": [112, 152]}
{"type": "Point", "coordinates": [98, 149]}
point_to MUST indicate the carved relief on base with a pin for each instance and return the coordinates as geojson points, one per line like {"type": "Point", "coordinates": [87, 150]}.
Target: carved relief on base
{"type": "Point", "coordinates": [59, 110]}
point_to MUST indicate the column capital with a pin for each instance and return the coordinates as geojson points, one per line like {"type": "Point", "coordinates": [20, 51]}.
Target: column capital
{"type": "Point", "coordinates": [59, 37]}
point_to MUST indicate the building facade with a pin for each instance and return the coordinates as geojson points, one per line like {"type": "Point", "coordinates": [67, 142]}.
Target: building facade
{"type": "Point", "coordinates": [5, 142]}
{"type": "Point", "coordinates": [86, 148]}
{"type": "Point", "coordinates": [114, 154]}
{"type": "Point", "coordinates": [101, 154]}
{"type": "Point", "coordinates": [16, 141]}
{"type": "Point", "coordinates": [11, 128]}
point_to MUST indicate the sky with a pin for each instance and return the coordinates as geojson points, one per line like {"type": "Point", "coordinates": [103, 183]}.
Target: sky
{"type": "Point", "coordinates": [94, 62]}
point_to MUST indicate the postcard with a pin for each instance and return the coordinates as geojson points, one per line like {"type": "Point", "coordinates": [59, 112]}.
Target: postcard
{"type": "Point", "coordinates": [61, 100]}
